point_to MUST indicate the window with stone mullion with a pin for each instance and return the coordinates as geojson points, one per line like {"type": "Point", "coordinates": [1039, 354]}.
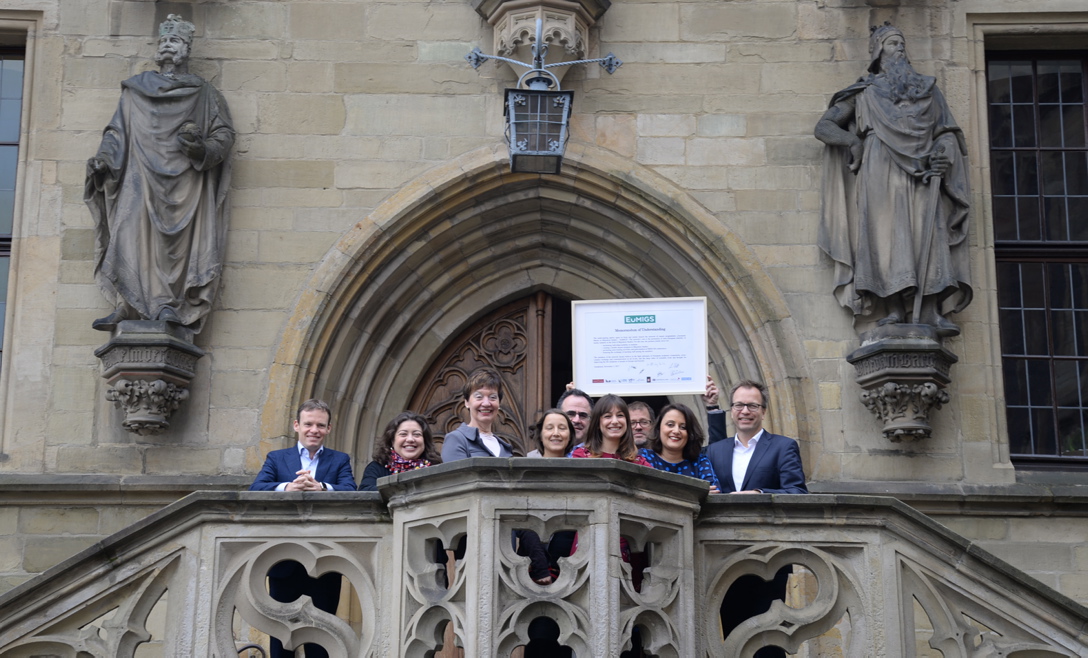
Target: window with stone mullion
{"type": "Point", "coordinates": [12, 60]}
{"type": "Point", "coordinates": [1039, 173]}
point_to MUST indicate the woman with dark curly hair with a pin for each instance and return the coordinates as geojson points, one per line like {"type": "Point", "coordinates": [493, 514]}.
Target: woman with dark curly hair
{"type": "Point", "coordinates": [677, 445]}
{"type": "Point", "coordinates": [405, 445]}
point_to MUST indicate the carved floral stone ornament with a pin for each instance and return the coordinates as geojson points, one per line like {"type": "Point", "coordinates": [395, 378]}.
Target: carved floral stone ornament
{"type": "Point", "coordinates": [148, 366]}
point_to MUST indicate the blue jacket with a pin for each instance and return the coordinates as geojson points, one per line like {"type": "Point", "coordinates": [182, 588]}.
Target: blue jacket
{"type": "Point", "coordinates": [775, 467]}
{"type": "Point", "coordinates": [333, 468]}
{"type": "Point", "coordinates": [464, 442]}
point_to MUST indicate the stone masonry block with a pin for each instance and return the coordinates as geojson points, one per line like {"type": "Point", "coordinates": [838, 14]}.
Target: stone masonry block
{"type": "Point", "coordinates": [448, 78]}
{"type": "Point", "coordinates": [616, 132]}
{"type": "Point", "coordinates": [74, 389]}
{"type": "Point", "coordinates": [238, 389]}
{"type": "Point", "coordinates": [248, 218]}
{"type": "Point", "coordinates": [113, 518]}
{"type": "Point", "coordinates": [424, 22]}
{"type": "Point", "coordinates": [726, 151]}
{"type": "Point", "coordinates": [1035, 556]}
{"type": "Point", "coordinates": [830, 395]}
{"type": "Point", "coordinates": [283, 173]}
{"type": "Point", "coordinates": [247, 328]}
{"type": "Point", "coordinates": [9, 521]}
{"type": "Point", "coordinates": [261, 286]}
{"type": "Point", "coordinates": [100, 72]}
{"type": "Point", "coordinates": [290, 197]}
{"type": "Point", "coordinates": [40, 553]}
{"type": "Point", "coordinates": [77, 244]}
{"type": "Point", "coordinates": [310, 77]}
{"type": "Point", "coordinates": [722, 125]}
{"type": "Point", "coordinates": [355, 51]}
{"type": "Point", "coordinates": [810, 77]}
{"type": "Point", "coordinates": [69, 428]}
{"type": "Point", "coordinates": [73, 327]}
{"type": "Point", "coordinates": [661, 150]}
{"type": "Point", "coordinates": [88, 109]}
{"type": "Point", "coordinates": [11, 554]}
{"type": "Point", "coordinates": [83, 295]}
{"type": "Point", "coordinates": [245, 20]}
{"type": "Point", "coordinates": [770, 200]}
{"type": "Point", "coordinates": [671, 53]}
{"type": "Point", "coordinates": [976, 528]}
{"type": "Point", "coordinates": [641, 22]}
{"type": "Point", "coordinates": [377, 174]}
{"type": "Point", "coordinates": [734, 20]}
{"type": "Point", "coordinates": [327, 20]}
{"type": "Point", "coordinates": [58, 520]}
{"type": "Point", "coordinates": [237, 49]}
{"type": "Point", "coordinates": [294, 247]}
{"type": "Point", "coordinates": [791, 51]}
{"type": "Point", "coordinates": [236, 427]}
{"type": "Point", "coordinates": [666, 125]}
{"type": "Point", "coordinates": [100, 459]}
{"type": "Point", "coordinates": [248, 75]}
{"type": "Point", "coordinates": [825, 349]}
{"type": "Point", "coordinates": [1075, 586]}
{"type": "Point", "coordinates": [178, 460]}
{"type": "Point", "coordinates": [696, 178]}
{"type": "Point", "coordinates": [407, 114]}
{"type": "Point", "coordinates": [1029, 530]}
{"type": "Point", "coordinates": [308, 114]}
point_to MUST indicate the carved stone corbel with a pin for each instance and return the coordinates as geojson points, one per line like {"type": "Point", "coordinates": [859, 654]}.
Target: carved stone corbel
{"type": "Point", "coordinates": [904, 370]}
{"type": "Point", "coordinates": [148, 365]}
{"type": "Point", "coordinates": [566, 28]}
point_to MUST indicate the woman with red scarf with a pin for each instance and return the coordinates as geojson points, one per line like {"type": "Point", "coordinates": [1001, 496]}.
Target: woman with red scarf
{"type": "Point", "coordinates": [405, 445]}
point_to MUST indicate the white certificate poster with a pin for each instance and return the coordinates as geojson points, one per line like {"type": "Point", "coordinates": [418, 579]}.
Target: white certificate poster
{"type": "Point", "coordinates": [640, 346]}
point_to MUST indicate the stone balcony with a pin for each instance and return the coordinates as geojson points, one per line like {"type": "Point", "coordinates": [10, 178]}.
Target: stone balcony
{"type": "Point", "coordinates": [872, 577]}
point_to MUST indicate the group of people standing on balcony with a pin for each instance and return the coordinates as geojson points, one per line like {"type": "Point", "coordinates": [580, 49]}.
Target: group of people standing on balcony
{"type": "Point", "coordinates": [755, 461]}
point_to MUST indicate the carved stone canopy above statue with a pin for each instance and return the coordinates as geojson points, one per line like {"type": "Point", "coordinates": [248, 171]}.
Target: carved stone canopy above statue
{"type": "Point", "coordinates": [566, 27]}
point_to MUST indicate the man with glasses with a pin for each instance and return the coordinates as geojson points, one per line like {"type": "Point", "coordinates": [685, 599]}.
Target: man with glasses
{"type": "Point", "coordinates": [755, 461]}
{"type": "Point", "coordinates": [642, 422]}
{"type": "Point", "coordinates": [577, 404]}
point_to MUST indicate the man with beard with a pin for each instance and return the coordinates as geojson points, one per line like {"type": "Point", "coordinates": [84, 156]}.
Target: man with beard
{"type": "Point", "coordinates": [892, 142]}
{"type": "Point", "coordinates": [642, 422]}
{"type": "Point", "coordinates": [157, 190]}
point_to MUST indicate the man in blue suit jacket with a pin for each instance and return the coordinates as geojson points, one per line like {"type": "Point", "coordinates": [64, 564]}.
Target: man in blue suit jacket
{"type": "Point", "coordinates": [308, 466]}
{"type": "Point", "coordinates": [754, 461]}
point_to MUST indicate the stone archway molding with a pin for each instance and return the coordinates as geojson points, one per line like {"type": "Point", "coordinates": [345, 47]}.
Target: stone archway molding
{"type": "Point", "coordinates": [469, 235]}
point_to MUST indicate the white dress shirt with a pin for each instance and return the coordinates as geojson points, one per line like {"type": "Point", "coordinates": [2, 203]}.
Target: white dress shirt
{"type": "Point", "coordinates": [307, 464]}
{"type": "Point", "coordinates": [742, 456]}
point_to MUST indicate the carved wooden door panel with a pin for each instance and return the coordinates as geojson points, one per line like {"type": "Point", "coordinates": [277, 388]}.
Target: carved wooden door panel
{"type": "Point", "coordinates": [515, 341]}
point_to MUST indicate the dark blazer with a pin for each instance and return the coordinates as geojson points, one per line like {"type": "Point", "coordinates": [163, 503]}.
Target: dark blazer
{"type": "Point", "coordinates": [775, 467]}
{"type": "Point", "coordinates": [333, 468]}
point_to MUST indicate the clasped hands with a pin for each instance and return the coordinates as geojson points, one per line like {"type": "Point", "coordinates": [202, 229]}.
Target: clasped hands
{"type": "Point", "coordinates": [304, 482]}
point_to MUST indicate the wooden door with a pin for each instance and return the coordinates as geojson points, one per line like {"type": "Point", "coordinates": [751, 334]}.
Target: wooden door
{"type": "Point", "coordinates": [515, 341]}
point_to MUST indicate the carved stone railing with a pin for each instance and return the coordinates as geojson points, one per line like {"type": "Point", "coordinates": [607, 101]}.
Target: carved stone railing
{"type": "Point", "coordinates": [874, 573]}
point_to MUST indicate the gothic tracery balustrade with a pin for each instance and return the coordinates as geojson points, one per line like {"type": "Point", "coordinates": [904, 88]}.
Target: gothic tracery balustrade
{"type": "Point", "coordinates": [434, 548]}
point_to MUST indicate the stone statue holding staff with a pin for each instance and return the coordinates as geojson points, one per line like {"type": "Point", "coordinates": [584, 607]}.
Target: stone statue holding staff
{"type": "Point", "coordinates": [895, 194]}
{"type": "Point", "coordinates": [157, 189]}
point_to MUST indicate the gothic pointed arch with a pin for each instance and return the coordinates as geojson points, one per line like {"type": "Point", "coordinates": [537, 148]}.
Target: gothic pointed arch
{"type": "Point", "coordinates": [469, 236]}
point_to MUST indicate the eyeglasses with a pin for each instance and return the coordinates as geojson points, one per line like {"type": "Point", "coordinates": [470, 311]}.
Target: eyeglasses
{"type": "Point", "coordinates": [641, 423]}
{"type": "Point", "coordinates": [751, 406]}
{"type": "Point", "coordinates": [577, 414]}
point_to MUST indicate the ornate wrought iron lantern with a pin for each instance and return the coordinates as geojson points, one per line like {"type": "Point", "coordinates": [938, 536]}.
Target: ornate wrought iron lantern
{"type": "Point", "coordinates": [537, 111]}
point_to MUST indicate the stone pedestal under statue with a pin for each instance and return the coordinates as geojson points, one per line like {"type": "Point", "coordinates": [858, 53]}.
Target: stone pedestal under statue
{"type": "Point", "coordinates": [904, 370]}
{"type": "Point", "coordinates": [148, 365]}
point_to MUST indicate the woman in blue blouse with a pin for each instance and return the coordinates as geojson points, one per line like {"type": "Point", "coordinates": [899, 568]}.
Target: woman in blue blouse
{"type": "Point", "coordinates": [677, 446]}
